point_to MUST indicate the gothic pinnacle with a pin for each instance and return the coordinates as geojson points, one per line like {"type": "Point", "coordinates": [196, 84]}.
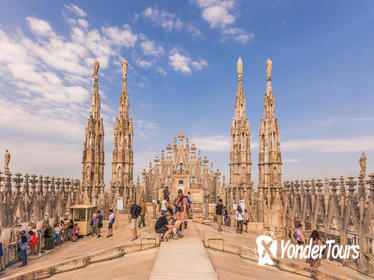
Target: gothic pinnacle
{"type": "Point", "coordinates": [239, 67]}
{"type": "Point", "coordinates": [268, 75]}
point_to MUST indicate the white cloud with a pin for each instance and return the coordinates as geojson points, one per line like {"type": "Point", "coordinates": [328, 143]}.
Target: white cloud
{"type": "Point", "coordinates": [237, 34]}
{"type": "Point", "coordinates": [216, 143]}
{"type": "Point", "coordinates": [193, 30]}
{"type": "Point", "coordinates": [162, 71]}
{"type": "Point", "coordinates": [76, 10]}
{"type": "Point", "coordinates": [149, 48]}
{"type": "Point", "coordinates": [162, 18]}
{"type": "Point", "coordinates": [180, 62]}
{"type": "Point", "coordinates": [358, 144]}
{"type": "Point", "coordinates": [198, 65]}
{"type": "Point", "coordinates": [82, 22]}
{"type": "Point", "coordinates": [36, 157]}
{"type": "Point", "coordinates": [143, 63]}
{"type": "Point", "coordinates": [121, 37]}
{"type": "Point", "coordinates": [144, 129]}
{"type": "Point", "coordinates": [219, 14]}
{"type": "Point", "coordinates": [39, 26]}
{"type": "Point", "coordinates": [183, 63]}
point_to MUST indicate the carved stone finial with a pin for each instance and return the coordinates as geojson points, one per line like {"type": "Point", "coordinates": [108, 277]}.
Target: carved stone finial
{"type": "Point", "coordinates": [362, 162]}
{"type": "Point", "coordinates": [96, 68]}
{"type": "Point", "coordinates": [124, 66]}
{"type": "Point", "coordinates": [6, 161]}
{"type": "Point", "coordinates": [268, 69]}
{"type": "Point", "coordinates": [239, 66]}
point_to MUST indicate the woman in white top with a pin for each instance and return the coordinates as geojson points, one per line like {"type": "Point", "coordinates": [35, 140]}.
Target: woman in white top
{"type": "Point", "coordinates": [164, 206]}
{"type": "Point", "coordinates": [239, 219]}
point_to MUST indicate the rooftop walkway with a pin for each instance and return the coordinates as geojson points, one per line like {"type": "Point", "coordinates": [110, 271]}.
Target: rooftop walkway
{"type": "Point", "coordinates": [183, 259]}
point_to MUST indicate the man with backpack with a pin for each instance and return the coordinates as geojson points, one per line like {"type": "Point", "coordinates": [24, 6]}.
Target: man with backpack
{"type": "Point", "coordinates": [134, 212]}
{"type": "Point", "coordinates": [99, 224]}
{"type": "Point", "coordinates": [23, 244]}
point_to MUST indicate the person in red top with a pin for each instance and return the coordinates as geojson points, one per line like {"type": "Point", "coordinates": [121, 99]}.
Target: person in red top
{"type": "Point", "coordinates": [33, 242]}
{"type": "Point", "coordinates": [75, 232]}
{"type": "Point", "coordinates": [181, 202]}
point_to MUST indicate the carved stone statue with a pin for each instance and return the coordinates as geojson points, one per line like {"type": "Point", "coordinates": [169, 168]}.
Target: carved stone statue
{"type": "Point", "coordinates": [6, 161]}
{"type": "Point", "coordinates": [124, 66]}
{"type": "Point", "coordinates": [268, 69]}
{"type": "Point", "coordinates": [362, 162]}
{"type": "Point", "coordinates": [239, 66]}
{"type": "Point", "coordinates": [96, 67]}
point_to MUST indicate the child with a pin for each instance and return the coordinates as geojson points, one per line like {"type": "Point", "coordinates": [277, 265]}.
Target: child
{"type": "Point", "coordinates": [245, 220]}
{"type": "Point", "coordinates": [33, 242]}
{"type": "Point", "coordinates": [75, 232]}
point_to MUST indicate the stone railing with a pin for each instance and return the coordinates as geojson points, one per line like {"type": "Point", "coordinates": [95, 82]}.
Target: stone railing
{"type": "Point", "coordinates": [27, 201]}
{"type": "Point", "coordinates": [339, 208]}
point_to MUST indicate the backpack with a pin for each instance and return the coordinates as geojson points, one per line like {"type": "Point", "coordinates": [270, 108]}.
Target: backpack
{"type": "Point", "coordinates": [295, 235]}
{"type": "Point", "coordinates": [24, 239]}
{"type": "Point", "coordinates": [137, 210]}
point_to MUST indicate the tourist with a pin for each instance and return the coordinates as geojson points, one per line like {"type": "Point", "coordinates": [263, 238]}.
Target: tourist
{"type": "Point", "coordinates": [166, 193]}
{"type": "Point", "coordinates": [143, 212]}
{"type": "Point", "coordinates": [239, 219]}
{"type": "Point", "coordinates": [163, 227]}
{"type": "Point", "coordinates": [316, 241]}
{"type": "Point", "coordinates": [112, 219]}
{"type": "Point", "coordinates": [75, 232]}
{"type": "Point", "coordinates": [23, 243]}
{"type": "Point", "coordinates": [58, 234]}
{"type": "Point", "coordinates": [181, 205]}
{"type": "Point", "coordinates": [219, 213]}
{"type": "Point", "coordinates": [189, 202]}
{"type": "Point", "coordinates": [93, 223]}
{"type": "Point", "coordinates": [2, 263]}
{"type": "Point", "coordinates": [164, 206]}
{"type": "Point", "coordinates": [134, 212]}
{"type": "Point", "coordinates": [47, 236]}
{"type": "Point", "coordinates": [62, 231]}
{"type": "Point", "coordinates": [99, 223]}
{"type": "Point", "coordinates": [33, 242]}
{"type": "Point", "coordinates": [70, 230]}
{"type": "Point", "coordinates": [245, 220]}
{"type": "Point", "coordinates": [225, 216]}
{"type": "Point", "coordinates": [299, 236]}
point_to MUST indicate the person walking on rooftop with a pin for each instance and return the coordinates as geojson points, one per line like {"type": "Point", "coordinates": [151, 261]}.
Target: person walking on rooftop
{"type": "Point", "coordinates": [23, 243]}
{"type": "Point", "coordinates": [299, 236]}
{"type": "Point", "coordinates": [112, 219]}
{"type": "Point", "coordinates": [143, 212]}
{"type": "Point", "coordinates": [219, 214]}
{"type": "Point", "coordinates": [239, 219]}
{"type": "Point", "coordinates": [99, 223]}
{"type": "Point", "coordinates": [134, 212]}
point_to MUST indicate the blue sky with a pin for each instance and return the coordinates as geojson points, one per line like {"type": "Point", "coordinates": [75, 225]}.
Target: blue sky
{"type": "Point", "coordinates": [182, 76]}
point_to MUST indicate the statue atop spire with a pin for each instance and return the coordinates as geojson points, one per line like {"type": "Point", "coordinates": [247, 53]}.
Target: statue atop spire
{"type": "Point", "coordinates": [269, 64]}
{"type": "Point", "coordinates": [124, 67]}
{"type": "Point", "coordinates": [96, 68]}
{"type": "Point", "coordinates": [239, 67]}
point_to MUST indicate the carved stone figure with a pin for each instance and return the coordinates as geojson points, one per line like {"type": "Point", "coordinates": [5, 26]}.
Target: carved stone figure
{"type": "Point", "coordinates": [239, 66]}
{"type": "Point", "coordinates": [362, 162]}
{"type": "Point", "coordinates": [268, 69]}
{"type": "Point", "coordinates": [96, 67]}
{"type": "Point", "coordinates": [124, 66]}
{"type": "Point", "coordinates": [6, 161]}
